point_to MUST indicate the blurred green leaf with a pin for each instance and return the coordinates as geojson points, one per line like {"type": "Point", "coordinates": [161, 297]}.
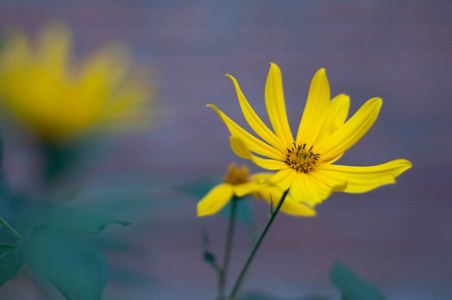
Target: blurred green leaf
{"type": "Point", "coordinates": [58, 159]}
{"type": "Point", "coordinates": [83, 222]}
{"type": "Point", "coordinates": [77, 269]}
{"type": "Point", "coordinates": [1, 150]}
{"type": "Point", "coordinates": [121, 198]}
{"type": "Point", "coordinates": [351, 286]}
{"type": "Point", "coordinates": [10, 263]}
{"type": "Point", "coordinates": [5, 190]}
{"type": "Point", "coordinates": [208, 256]}
{"type": "Point", "coordinates": [244, 212]}
{"type": "Point", "coordinates": [62, 159]}
{"type": "Point", "coordinates": [8, 203]}
{"type": "Point", "coordinates": [257, 295]}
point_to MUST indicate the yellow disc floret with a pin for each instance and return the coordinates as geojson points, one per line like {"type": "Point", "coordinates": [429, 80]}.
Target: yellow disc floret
{"type": "Point", "coordinates": [301, 159]}
{"type": "Point", "coordinates": [236, 175]}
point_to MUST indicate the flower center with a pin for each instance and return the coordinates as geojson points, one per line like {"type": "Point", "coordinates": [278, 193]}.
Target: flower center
{"type": "Point", "coordinates": [301, 159]}
{"type": "Point", "coordinates": [235, 175]}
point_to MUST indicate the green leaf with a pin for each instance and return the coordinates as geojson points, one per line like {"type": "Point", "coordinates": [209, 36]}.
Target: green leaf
{"type": "Point", "coordinates": [244, 212]}
{"type": "Point", "coordinates": [77, 269]}
{"type": "Point", "coordinates": [83, 222]}
{"type": "Point", "coordinates": [59, 159]}
{"type": "Point", "coordinates": [257, 295]}
{"type": "Point", "coordinates": [10, 263]}
{"type": "Point", "coordinates": [208, 256]}
{"type": "Point", "coordinates": [351, 286]}
{"type": "Point", "coordinates": [1, 150]}
{"type": "Point", "coordinates": [210, 259]}
{"type": "Point", "coordinates": [67, 160]}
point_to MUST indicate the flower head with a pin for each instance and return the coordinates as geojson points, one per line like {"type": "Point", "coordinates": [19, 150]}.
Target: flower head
{"type": "Point", "coordinates": [238, 183]}
{"type": "Point", "coordinates": [58, 100]}
{"type": "Point", "coordinates": [305, 163]}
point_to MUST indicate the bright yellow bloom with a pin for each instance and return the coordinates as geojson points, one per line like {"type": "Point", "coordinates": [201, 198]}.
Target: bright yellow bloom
{"type": "Point", "coordinates": [237, 183]}
{"type": "Point", "coordinates": [59, 100]}
{"type": "Point", "coordinates": [305, 163]}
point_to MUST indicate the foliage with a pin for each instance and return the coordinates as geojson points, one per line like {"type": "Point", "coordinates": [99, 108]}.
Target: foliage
{"type": "Point", "coordinates": [208, 255]}
{"type": "Point", "coordinates": [10, 262]}
{"type": "Point", "coordinates": [77, 269]}
{"type": "Point", "coordinates": [351, 286]}
{"type": "Point", "coordinates": [255, 295]}
{"type": "Point", "coordinates": [55, 250]}
{"type": "Point", "coordinates": [81, 222]}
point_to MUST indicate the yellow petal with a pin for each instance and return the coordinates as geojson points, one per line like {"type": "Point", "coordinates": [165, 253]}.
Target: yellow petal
{"type": "Point", "coordinates": [273, 195]}
{"type": "Point", "coordinates": [323, 190]}
{"type": "Point", "coordinates": [336, 158]}
{"type": "Point", "coordinates": [363, 179]}
{"type": "Point", "coordinates": [244, 189]}
{"type": "Point", "coordinates": [16, 53]}
{"type": "Point", "coordinates": [274, 101]}
{"type": "Point", "coordinates": [284, 178]}
{"type": "Point", "coordinates": [241, 150]}
{"type": "Point", "coordinates": [215, 200]}
{"type": "Point", "coordinates": [306, 189]}
{"type": "Point", "coordinates": [110, 63]}
{"type": "Point", "coordinates": [315, 109]}
{"type": "Point", "coordinates": [255, 122]}
{"type": "Point", "coordinates": [348, 134]}
{"type": "Point", "coordinates": [252, 143]}
{"type": "Point", "coordinates": [56, 46]}
{"type": "Point", "coordinates": [126, 106]}
{"type": "Point", "coordinates": [335, 116]}
{"type": "Point", "coordinates": [337, 184]}
{"type": "Point", "coordinates": [261, 177]}
{"type": "Point", "coordinates": [62, 100]}
{"type": "Point", "coordinates": [338, 110]}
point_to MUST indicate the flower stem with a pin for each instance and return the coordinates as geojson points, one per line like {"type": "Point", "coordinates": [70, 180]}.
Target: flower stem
{"type": "Point", "coordinates": [227, 251]}
{"type": "Point", "coordinates": [256, 246]}
{"type": "Point", "coordinates": [12, 230]}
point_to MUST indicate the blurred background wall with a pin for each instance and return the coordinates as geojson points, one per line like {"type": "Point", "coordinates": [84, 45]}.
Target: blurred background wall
{"type": "Point", "coordinates": [398, 236]}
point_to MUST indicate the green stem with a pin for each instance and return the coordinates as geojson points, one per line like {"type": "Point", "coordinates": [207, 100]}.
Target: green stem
{"type": "Point", "coordinates": [256, 246]}
{"type": "Point", "coordinates": [227, 251]}
{"type": "Point", "coordinates": [12, 230]}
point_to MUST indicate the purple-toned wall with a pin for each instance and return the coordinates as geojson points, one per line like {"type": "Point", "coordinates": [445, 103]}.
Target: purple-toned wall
{"type": "Point", "coordinates": [398, 236]}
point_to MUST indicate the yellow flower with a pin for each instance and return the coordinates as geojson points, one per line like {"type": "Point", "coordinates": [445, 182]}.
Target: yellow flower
{"type": "Point", "coordinates": [59, 100]}
{"type": "Point", "coordinates": [237, 183]}
{"type": "Point", "coordinates": [305, 163]}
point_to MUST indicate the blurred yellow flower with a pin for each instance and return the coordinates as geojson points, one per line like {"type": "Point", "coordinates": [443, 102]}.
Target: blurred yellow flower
{"type": "Point", "coordinates": [60, 100]}
{"type": "Point", "coordinates": [237, 183]}
{"type": "Point", "coordinates": [305, 164]}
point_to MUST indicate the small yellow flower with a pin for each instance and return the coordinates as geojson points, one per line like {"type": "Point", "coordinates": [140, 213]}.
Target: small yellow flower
{"type": "Point", "coordinates": [305, 163]}
{"type": "Point", "coordinates": [237, 183]}
{"type": "Point", "coordinates": [59, 100]}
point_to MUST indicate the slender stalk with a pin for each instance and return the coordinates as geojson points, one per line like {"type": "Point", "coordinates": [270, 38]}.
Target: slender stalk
{"type": "Point", "coordinates": [227, 251]}
{"type": "Point", "coordinates": [12, 230]}
{"type": "Point", "coordinates": [256, 246]}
